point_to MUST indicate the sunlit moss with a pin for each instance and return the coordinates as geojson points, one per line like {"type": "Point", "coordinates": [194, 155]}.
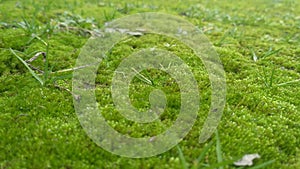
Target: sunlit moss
{"type": "Point", "coordinates": [39, 127]}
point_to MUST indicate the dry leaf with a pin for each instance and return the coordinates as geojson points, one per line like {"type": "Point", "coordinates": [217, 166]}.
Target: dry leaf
{"type": "Point", "coordinates": [247, 160]}
{"type": "Point", "coordinates": [135, 33]}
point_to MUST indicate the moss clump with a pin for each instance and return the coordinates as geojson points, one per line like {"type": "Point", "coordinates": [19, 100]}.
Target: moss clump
{"type": "Point", "coordinates": [258, 43]}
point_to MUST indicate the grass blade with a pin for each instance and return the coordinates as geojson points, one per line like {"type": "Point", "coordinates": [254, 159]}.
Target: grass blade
{"type": "Point", "coordinates": [40, 39]}
{"type": "Point", "coordinates": [271, 77]}
{"type": "Point", "coordinates": [271, 52]}
{"type": "Point", "coordinates": [142, 77]}
{"type": "Point", "coordinates": [219, 149]}
{"type": "Point", "coordinates": [205, 150]}
{"type": "Point", "coordinates": [222, 164]}
{"type": "Point", "coordinates": [26, 65]}
{"type": "Point", "coordinates": [182, 159]}
{"type": "Point", "coordinates": [263, 164]}
{"type": "Point", "coordinates": [265, 78]}
{"type": "Point", "coordinates": [62, 77]}
{"type": "Point", "coordinates": [287, 83]}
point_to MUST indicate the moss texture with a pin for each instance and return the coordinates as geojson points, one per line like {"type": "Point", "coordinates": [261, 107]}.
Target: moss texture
{"type": "Point", "coordinates": [257, 41]}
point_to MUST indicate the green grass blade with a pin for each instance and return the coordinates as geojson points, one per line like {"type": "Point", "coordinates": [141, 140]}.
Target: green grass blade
{"type": "Point", "coordinates": [263, 164]}
{"type": "Point", "coordinates": [62, 77]}
{"type": "Point", "coordinates": [40, 39]}
{"type": "Point", "coordinates": [223, 163]}
{"type": "Point", "coordinates": [265, 78]}
{"type": "Point", "coordinates": [271, 52]}
{"type": "Point", "coordinates": [219, 150]}
{"type": "Point", "coordinates": [205, 150]}
{"type": "Point", "coordinates": [142, 77]}
{"type": "Point", "coordinates": [289, 82]}
{"type": "Point", "coordinates": [182, 159]}
{"type": "Point", "coordinates": [272, 77]}
{"type": "Point", "coordinates": [26, 65]}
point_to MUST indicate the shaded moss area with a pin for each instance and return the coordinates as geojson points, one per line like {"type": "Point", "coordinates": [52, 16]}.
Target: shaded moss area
{"type": "Point", "coordinates": [258, 44]}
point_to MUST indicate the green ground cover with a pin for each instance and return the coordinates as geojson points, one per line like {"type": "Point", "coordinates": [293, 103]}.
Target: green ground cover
{"type": "Point", "coordinates": [258, 44]}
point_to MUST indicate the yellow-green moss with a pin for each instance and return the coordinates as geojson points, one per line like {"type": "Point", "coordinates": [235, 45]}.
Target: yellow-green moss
{"type": "Point", "coordinates": [39, 127]}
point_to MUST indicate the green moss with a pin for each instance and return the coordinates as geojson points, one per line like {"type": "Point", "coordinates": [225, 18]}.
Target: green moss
{"type": "Point", "coordinates": [39, 127]}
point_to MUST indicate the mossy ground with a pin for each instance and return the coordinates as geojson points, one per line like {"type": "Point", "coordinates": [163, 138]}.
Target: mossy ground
{"type": "Point", "coordinates": [257, 41]}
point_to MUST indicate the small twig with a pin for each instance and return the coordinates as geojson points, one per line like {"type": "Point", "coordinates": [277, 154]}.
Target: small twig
{"type": "Point", "coordinates": [72, 69]}
{"type": "Point", "coordinates": [36, 56]}
{"type": "Point", "coordinates": [62, 71]}
{"type": "Point", "coordinates": [77, 97]}
{"type": "Point", "coordinates": [93, 33]}
{"type": "Point", "coordinates": [207, 29]}
{"type": "Point", "coordinates": [27, 66]}
{"type": "Point", "coordinates": [35, 68]}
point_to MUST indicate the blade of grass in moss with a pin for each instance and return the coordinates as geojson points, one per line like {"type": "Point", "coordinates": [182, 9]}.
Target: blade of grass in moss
{"type": "Point", "coordinates": [182, 159]}
{"type": "Point", "coordinates": [263, 165]}
{"type": "Point", "coordinates": [272, 77]}
{"type": "Point", "coordinates": [26, 65]}
{"type": "Point", "coordinates": [287, 83]}
{"type": "Point", "coordinates": [218, 149]}
{"type": "Point", "coordinates": [271, 52]}
{"type": "Point", "coordinates": [223, 163]}
{"type": "Point", "coordinates": [205, 150]}
{"type": "Point", "coordinates": [62, 77]}
{"type": "Point", "coordinates": [142, 77]}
